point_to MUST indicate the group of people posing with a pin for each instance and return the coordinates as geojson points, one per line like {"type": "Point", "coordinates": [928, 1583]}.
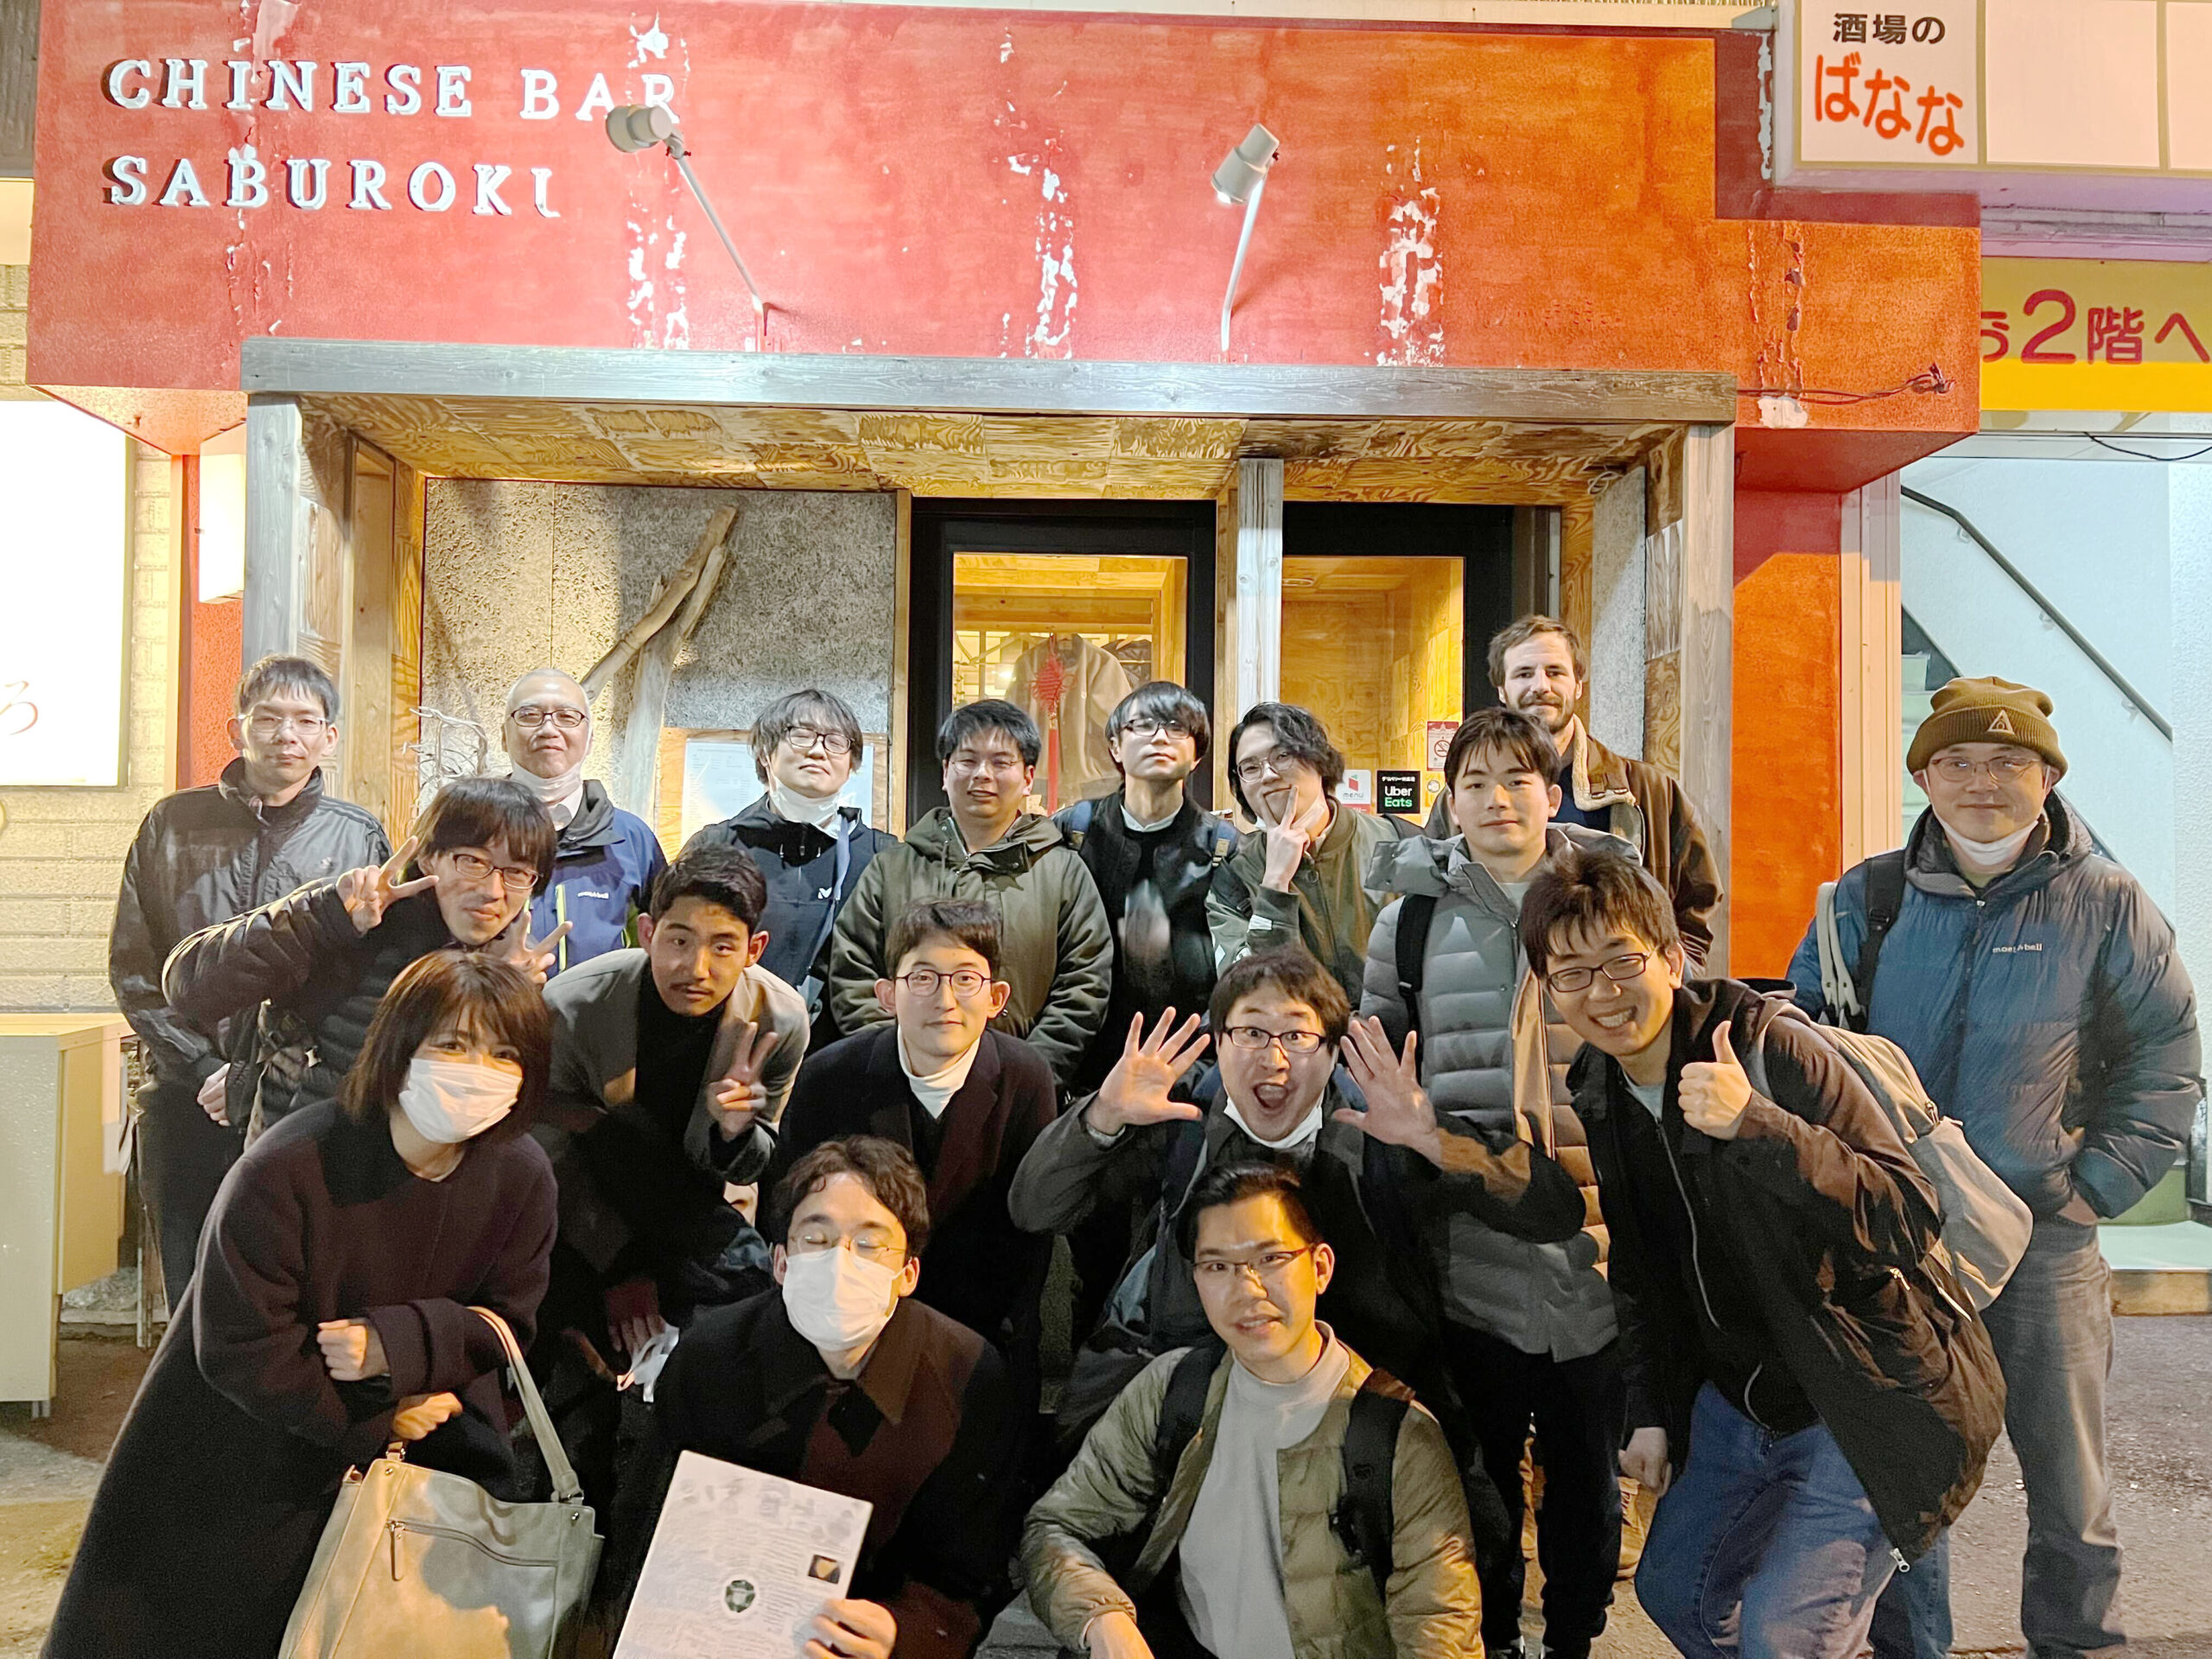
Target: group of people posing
{"type": "Point", "coordinates": [1405, 1171]}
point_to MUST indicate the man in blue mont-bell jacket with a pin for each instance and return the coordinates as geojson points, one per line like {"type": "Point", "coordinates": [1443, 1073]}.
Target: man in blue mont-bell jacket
{"type": "Point", "coordinates": [2039, 993]}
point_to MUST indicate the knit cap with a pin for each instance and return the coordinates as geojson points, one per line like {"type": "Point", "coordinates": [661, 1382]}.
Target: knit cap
{"type": "Point", "coordinates": [1987, 710]}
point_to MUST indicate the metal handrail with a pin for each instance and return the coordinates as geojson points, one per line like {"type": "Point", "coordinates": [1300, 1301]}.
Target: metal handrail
{"type": "Point", "coordinates": [2120, 681]}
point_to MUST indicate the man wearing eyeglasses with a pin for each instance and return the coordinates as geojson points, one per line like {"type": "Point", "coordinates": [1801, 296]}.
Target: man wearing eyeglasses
{"type": "Point", "coordinates": [841, 1378]}
{"type": "Point", "coordinates": [606, 860]}
{"type": "Point", "coordinates": [983, 843]}
{"type": "Point", "coordinates": [204, 856]}
{"type": "Point", "coordinates": [1376, 1178]}
{"type": "Point", "coordinates": [811, 846]}
{"type": "Point", "coordinates": [2038, 992]}
{"type": "Point", "coordinates": [968, 1103]}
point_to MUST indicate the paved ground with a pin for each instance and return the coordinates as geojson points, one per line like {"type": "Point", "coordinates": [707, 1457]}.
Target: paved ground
{"type": "Point", "coordinates": [2161, 1450]}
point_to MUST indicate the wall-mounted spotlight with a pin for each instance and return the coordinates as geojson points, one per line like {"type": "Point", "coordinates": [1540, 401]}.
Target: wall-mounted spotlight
{"type": "Point", "coordinates": [635, 127]}
{"type": "Point", "coordinates": [1237, 183]}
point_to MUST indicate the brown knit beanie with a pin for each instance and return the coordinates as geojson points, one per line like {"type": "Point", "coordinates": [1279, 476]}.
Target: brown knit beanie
{"type": "Point", "coordinates": [1987, 710]}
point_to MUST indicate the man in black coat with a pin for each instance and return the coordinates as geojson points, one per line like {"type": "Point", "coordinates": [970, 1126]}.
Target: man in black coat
{"type": "Point", "coordinates": [203, 855]}
{"type": "Point", "coordinates": [1792, 1352]}
{"type": "Point", "coordinates": [842, 1380]}
{"type": "Point", "coordinates": [966, 1100]}
{"type": "Point", "coordinates": [323, 958]}
{"type": "Point", "coordinates": [805, 747]}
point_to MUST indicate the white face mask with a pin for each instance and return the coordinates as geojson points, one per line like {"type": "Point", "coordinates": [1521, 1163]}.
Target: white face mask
{"type": "Point", "coordinates": [794, 807]}
{"type": "Point", "coordinates": [836, 1300]}
{"type": "Point", "coordinates": [452, 1101]}
{"type": "Point", "coordinates": [1979, 855]}
{"type": "Point", "coordinates": [551, 791]}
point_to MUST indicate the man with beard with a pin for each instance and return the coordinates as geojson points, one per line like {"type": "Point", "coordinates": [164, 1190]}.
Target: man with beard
{"type": "Point", "coordinates": [1540, 668]}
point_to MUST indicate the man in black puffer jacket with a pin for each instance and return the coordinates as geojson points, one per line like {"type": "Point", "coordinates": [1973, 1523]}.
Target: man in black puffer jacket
{"type": "Point", "coordinates": [323, 958]}
{"type": "Point", "coordinates": [203, 855]}
{"type": "Point", "coordinates": [1807, 1389]}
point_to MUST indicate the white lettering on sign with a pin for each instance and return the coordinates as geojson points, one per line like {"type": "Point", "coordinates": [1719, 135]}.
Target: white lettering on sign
{"type": "Point", "coordinates": [452, 89]}
{"type": "Point", "coordinates": [127, 181]}
{"type": "Point", "coordinates": [187, 80]}
{"type": "Point", "coordinates": [183, 189]}
{"type": "Point", "coordinates": [307, 181]}
{"type": "Point", "coordinates": [540, 178]}
{"type": "Point", "coordinates": [249, 179]}
{"type": "Point", "coordinates": [349, 88]}
{"type": "Point", "coordinates": [241, 96]}
{"type": "Point", "coordinates": [430, 187]}
{"type": "Point", "coordinates": [291, 84]}
{"type": "Point", "coordinates": [488, 181]}
{"type": "Point", "coordinates": [368, 185]}
{"type": "Point", "coordinates": [405, 97]}
{"type": "Point", "coordinates": [113, 84]}
{"type": "Point", "coordinates": [540, 101]}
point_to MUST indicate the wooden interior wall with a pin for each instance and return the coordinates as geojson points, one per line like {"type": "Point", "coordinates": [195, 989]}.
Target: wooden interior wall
{"type": "Point", "coordinates": [1577, 551]}
{"type": "Point", "coordinates": [404, 766]}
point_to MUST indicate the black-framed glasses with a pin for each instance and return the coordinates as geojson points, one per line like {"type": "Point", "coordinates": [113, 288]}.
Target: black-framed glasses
{"type": "Point", "coordinates": [967, 983]}
{"type": "Point", "coordinates": [1142, 726]}
{"type": "Point", "coordinates": [803, 738]}
{"type": "Point", "coordinates": [1619, 969]}
{"type": "Point", "coordinates": [475, 868]}
{"type": "Point", "coordinates": [1278, 761]}
{"type": "Point", "coordinates": [1254, 1037]}
{"type": "Point", "coordinates": [1269, 1268]}
{"type": "Point", "coordinates": [533, 715]}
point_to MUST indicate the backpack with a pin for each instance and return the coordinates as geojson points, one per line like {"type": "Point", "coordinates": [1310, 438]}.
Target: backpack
{"type": "Point", "coordinates": [1364, 1520]}
{"type": "Point", "coordinates": [1986, 1227]}
{"type": "Point", "coordinates": [1220, 835]}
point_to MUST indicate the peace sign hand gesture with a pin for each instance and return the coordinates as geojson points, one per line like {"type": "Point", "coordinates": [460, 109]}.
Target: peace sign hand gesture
{"type": "Point", "coordinates": [1136, 1091]}
{"type": "Point", "coordinates": [371, 890]}
{"type": "Point", "coordinates": [1399, 1111]}
{"type": "Point", "coordinates": [534, 956]}
{"type": "Point", "coordinates": [738, 1098]}
{"type": "Point", "coordinates": [1714, 1092]}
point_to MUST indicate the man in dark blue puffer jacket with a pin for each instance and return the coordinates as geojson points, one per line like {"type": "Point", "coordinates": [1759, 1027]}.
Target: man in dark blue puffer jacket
{"type": "Point", "coordinates": [2040, 996]}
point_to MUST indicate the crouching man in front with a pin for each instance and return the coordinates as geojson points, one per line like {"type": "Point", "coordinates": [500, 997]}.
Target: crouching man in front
{"type": "Point", "coordinates": [1280, 1498]}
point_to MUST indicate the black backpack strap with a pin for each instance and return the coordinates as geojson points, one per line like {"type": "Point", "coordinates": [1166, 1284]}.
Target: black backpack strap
{"type": "Point", "coordinates": [1365, 1521]}
{"type": "Point", "coordinates": [1884, 896]}
{"type": "Point", "coordinates": [1416, 913]}
{"type": "Point", "coordinates": [1181, 1411]}
{"type": "Point", "coordinates": [1221, 839]}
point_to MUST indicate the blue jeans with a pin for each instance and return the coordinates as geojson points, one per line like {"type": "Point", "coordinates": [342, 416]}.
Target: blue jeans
{"type": "Point", "coordinates": [1764, 1547]}
{"type": "Point", "coordinates": [2052, 1331]}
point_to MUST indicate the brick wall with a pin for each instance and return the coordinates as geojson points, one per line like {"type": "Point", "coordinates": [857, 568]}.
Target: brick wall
{"type": "Point", "coordinates": [62, 849]}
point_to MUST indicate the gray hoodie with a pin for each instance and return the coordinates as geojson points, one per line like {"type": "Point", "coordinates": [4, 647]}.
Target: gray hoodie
{"type": "Point", "coordinates": [1478, 1010]}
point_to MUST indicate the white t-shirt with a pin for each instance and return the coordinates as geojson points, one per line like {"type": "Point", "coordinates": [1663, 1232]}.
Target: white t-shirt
{"type": "Point", "coordinates": [935, 1089]}
{"type": "Point", "coordinates": [1233, 1549]}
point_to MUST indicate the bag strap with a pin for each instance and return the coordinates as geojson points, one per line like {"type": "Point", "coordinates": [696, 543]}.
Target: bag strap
{"type": "Point", "coordinates": [1416, 914]}
{"type": "Point", "coordinates": [1221, 838]}
{"type": "Point", "coordinates": [1079, 821]}
{"type": "Point", "coordinates": [1365, 1520]}
{"type": "Point", "coordinates": [1885, 899]}
{"type": "Point", "coordinates": [567, 1489]}
{"type": "Point", "coordinates": [1181, 1411]}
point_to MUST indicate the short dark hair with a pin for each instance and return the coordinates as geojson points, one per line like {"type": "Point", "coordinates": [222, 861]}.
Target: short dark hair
{"type": "Point", "coordinates": [280, 673]}
{"type": "Point", "coordinates": [721, 876]}
{"type": "Point", "coordinates": [1519, 737]}
{"type": "Point", "coordinates": [1521, 631]}
{"type": "Point", "coordinates": [812, 707]}
{"type": "Point", "coordinates": [1233, 1183]}
{"type": "Point", "coordinates": [1592, 893]}
{"type": "Point", "coordinates": [991, 714]}
{"type": "Point", "coordinates": [886, 1169]}
{"type": "Point", "coordinates": [1291, 969]}
{"type": "Point", "coordinates": [971, 922]}
{"type": "Point", "coordinates": [1299, 735]}
{"type": "Point", "coordinates": [468, 987]}
{"type": "Point", "coordinates": [477, 811]}
{"type": "Point", "coordinates": [1164, 699]}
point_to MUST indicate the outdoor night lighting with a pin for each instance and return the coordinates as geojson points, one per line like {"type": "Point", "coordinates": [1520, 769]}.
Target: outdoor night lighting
{"type": "Point", "coordinates": [634, 127]}
{"type": "Point", "coordinates": [1237, 183]}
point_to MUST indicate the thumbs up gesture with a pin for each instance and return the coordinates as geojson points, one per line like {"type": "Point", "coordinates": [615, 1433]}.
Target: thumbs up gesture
{"type": "Point", "coordinates": [1714, 1092]}
{"type": "Point", "coordinates": [737, 1098]}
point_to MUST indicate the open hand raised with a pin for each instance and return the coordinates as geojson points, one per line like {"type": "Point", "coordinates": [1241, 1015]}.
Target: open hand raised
{"type": "Point", "coordinates": [1399, 1110]}
{"type": "Point", "coordinates": [1136, 1091]}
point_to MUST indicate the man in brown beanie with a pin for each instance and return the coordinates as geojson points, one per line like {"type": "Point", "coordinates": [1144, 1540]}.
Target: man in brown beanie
{"type": "Point", "coordinates": [2038, 992]}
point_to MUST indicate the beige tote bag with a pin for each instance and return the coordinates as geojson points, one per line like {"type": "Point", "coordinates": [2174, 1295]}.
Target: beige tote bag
{"type": "Point", "coordinates": [416, 1563]}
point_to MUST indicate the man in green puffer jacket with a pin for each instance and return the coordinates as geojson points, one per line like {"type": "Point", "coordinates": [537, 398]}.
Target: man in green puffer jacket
{"type": "Point", "coordinates": [1059, 949]}
{"type": "Point", "coordinates": [1236, 1536]}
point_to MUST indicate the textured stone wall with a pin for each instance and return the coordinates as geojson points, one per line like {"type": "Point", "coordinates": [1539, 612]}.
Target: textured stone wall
{"type": "Point", "coordinates": [520, 574]}
{"type": "Point", "coordinates": [62, 849]}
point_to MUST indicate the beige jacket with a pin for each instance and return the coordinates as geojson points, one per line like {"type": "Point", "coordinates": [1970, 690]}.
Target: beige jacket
{"type": "Point", "coordinates": [1434, 1609]}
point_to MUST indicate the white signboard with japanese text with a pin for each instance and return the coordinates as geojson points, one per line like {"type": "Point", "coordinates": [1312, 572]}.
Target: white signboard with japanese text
{"type": "Point", "coordinates": [1884, 88]}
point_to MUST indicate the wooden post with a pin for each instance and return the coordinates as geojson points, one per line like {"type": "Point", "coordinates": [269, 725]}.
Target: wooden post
{"type": "Point", "coordinates": [1258, 642]}
{"type": "Point", "coordinates": [1873, 710]}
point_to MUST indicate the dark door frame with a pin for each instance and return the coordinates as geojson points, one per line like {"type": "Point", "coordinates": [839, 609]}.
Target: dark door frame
{"type": "Point", "coordinates": [1182, 529]}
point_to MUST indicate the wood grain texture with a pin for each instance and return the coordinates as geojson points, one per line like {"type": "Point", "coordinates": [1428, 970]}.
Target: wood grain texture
{"type": "Point", "coordinates": [1663, 712]}
{"type": "Point", "coordinates": [406, 647]}
{"type": "Point", "coordinates": [1577, 557]}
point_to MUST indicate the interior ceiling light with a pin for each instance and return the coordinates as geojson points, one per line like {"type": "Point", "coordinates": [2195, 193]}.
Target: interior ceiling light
{"type": "Point", "coordinates": [1237, 182]}
{"type": "Point", "coordinates": [635, 127]}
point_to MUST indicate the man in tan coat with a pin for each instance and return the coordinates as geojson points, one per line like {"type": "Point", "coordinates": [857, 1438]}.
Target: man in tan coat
{"type": "Point", "coordinates": [1228, 1469]}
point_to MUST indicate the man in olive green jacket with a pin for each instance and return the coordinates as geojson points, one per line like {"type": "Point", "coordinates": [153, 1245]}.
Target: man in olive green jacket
{"type": "Point", "coordinates": [1058, 949]}
{"type": "Point", "coordinates": [1241, 1554]}
{"type": "Point", "coordinates": [1302, 875]}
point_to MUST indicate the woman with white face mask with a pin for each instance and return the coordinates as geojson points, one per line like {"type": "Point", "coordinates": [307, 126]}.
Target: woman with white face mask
{"type": "Point", "coordinates": [839, 1379]}
{"type": "Point", "coordinates": [328, 1317]}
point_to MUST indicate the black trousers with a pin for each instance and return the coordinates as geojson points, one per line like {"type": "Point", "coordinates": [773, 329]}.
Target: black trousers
{"type": "Point", "coordinates": [183, 1155]}
{"type": "Point", "coordinates": [1577, 1408]}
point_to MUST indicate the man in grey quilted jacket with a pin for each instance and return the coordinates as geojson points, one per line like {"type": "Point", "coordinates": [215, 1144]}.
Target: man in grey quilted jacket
{"type": "Point", "coordinates": [2039, 994]}
{"type": "Point", "coordinates": [1529, 1327]}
